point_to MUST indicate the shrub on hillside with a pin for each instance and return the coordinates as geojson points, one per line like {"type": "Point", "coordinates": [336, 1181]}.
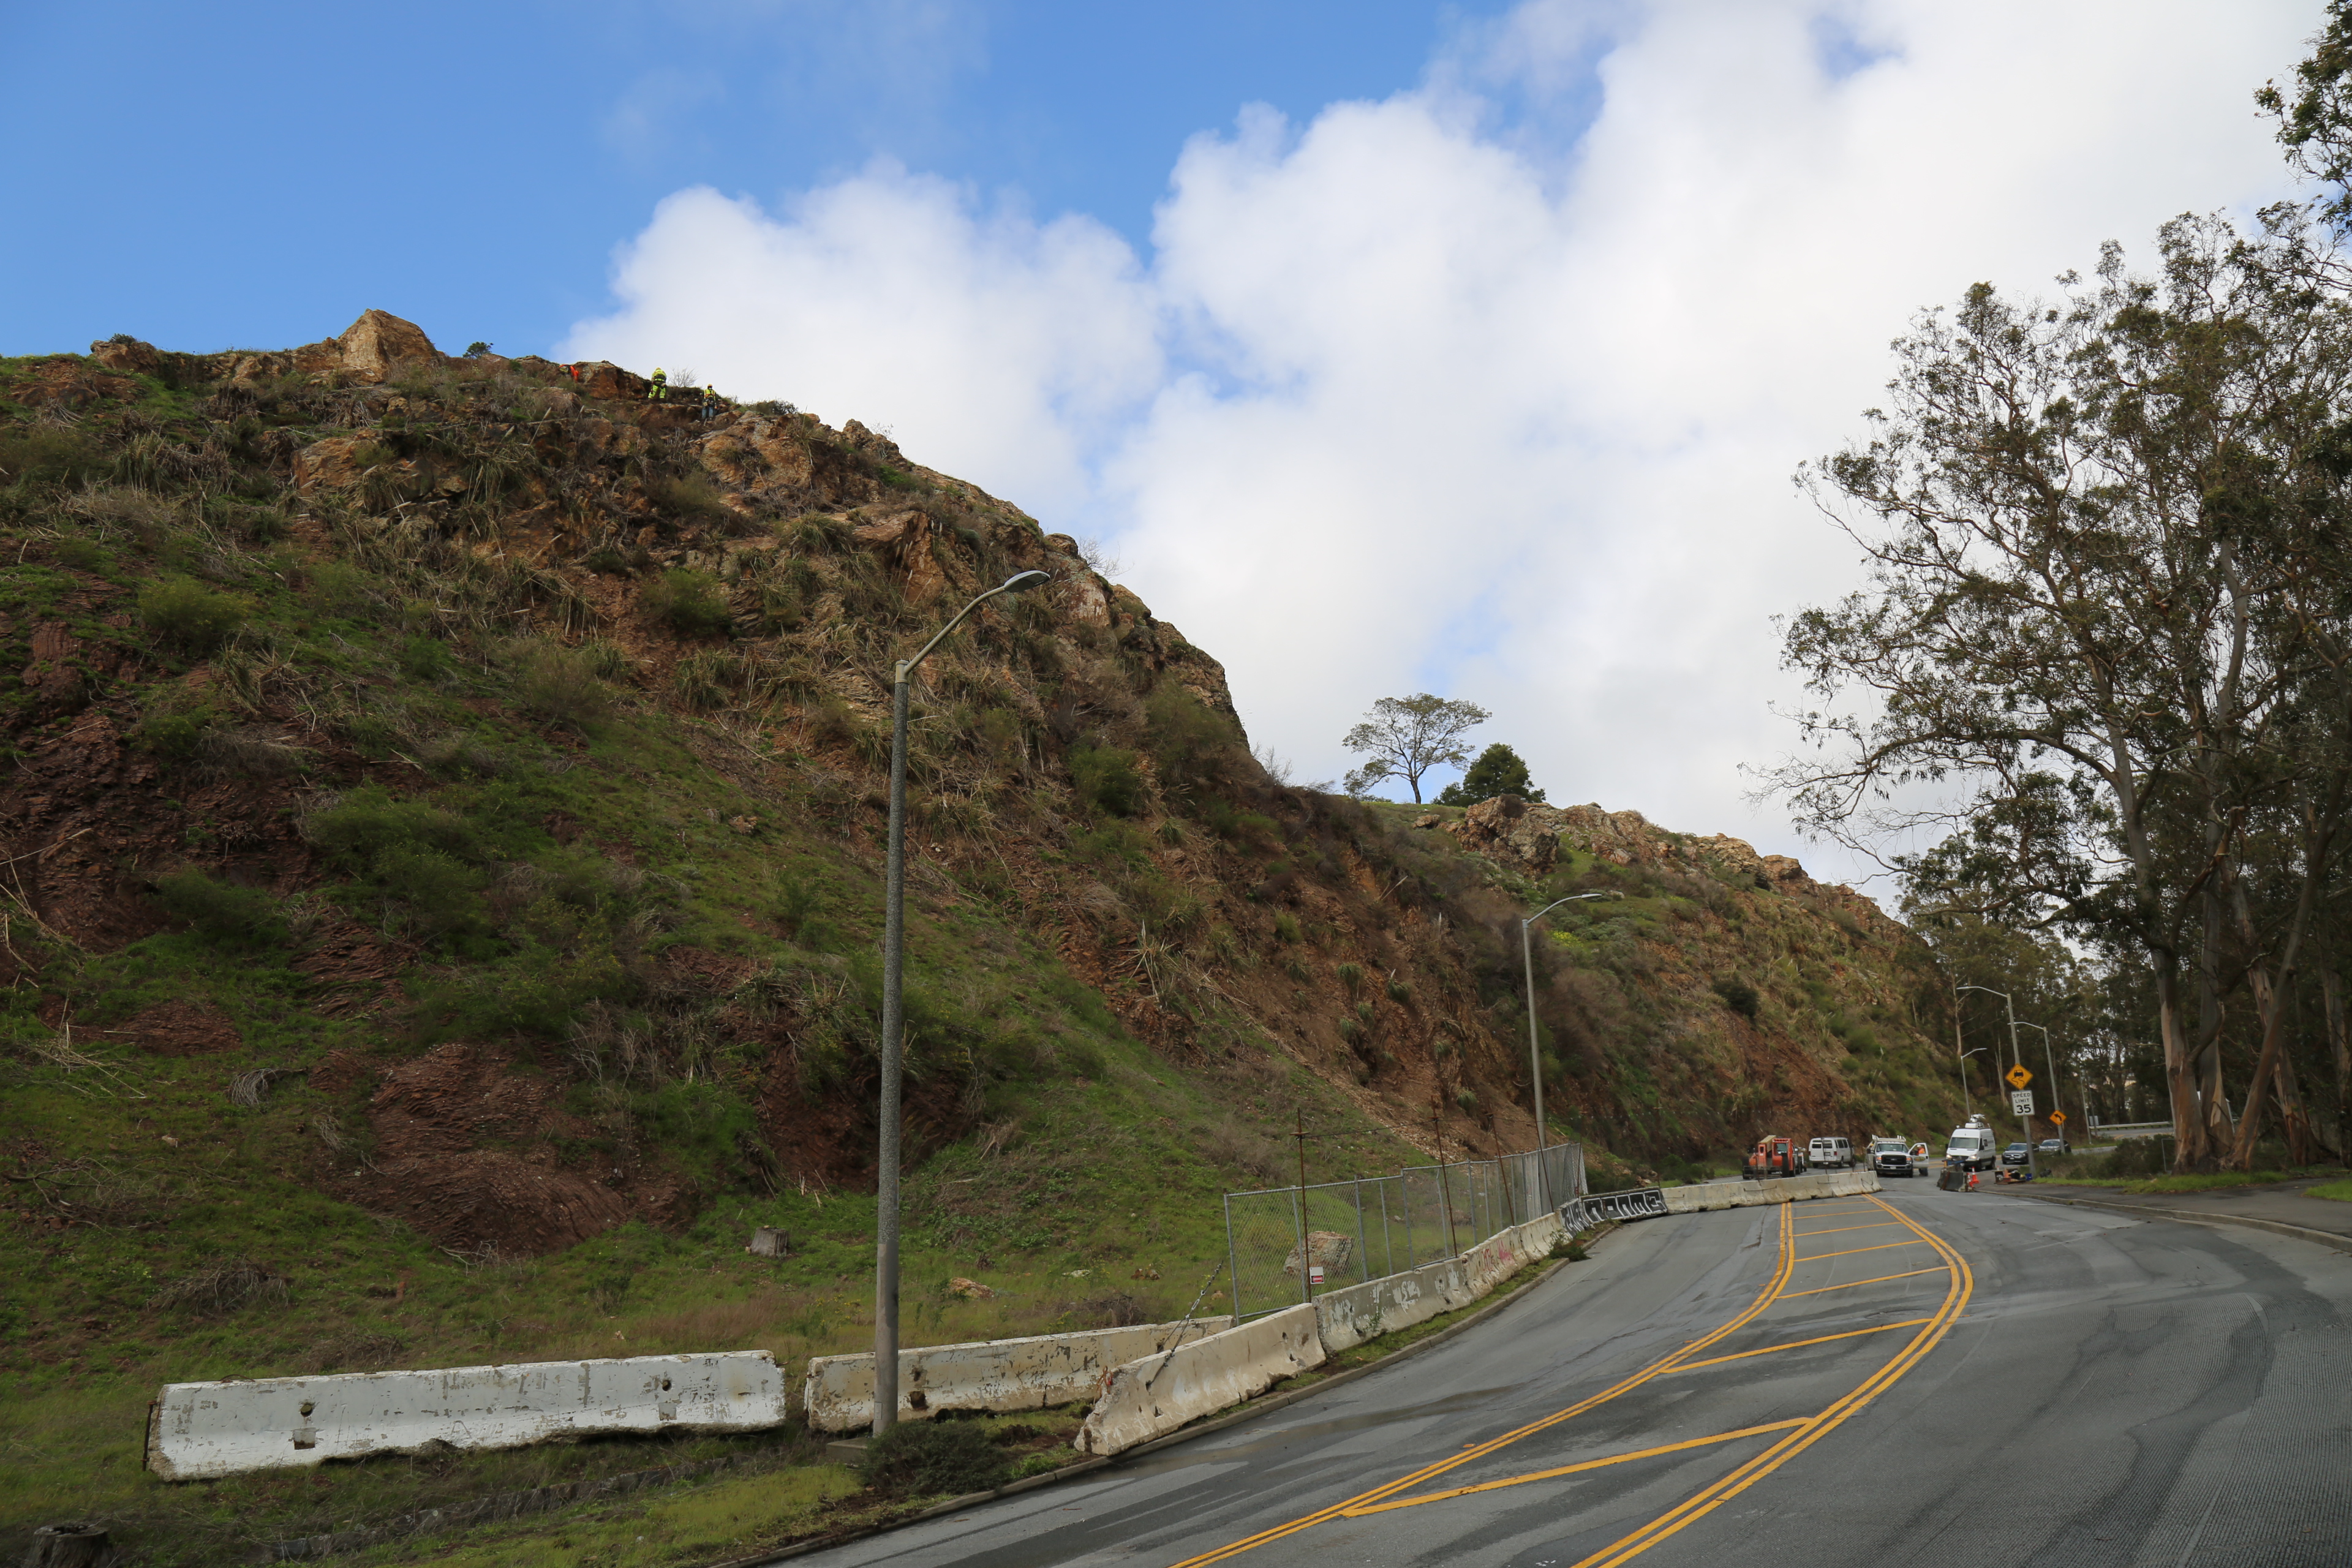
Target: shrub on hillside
{"type": "Point", "coordinates": [693, 498]}
{"type": "Point", "coordinates": [560, 685]}
{"type": "Point", "coordinates": [221, 913]}
{"type": "Point", "coordinates": [186, 616]}
{"type": "Point", "coordinates": [935, 1458]}
{"type": "Point", "coordinates": [40, 454]}
{"type": "Point", "coordinates": [1740, 997]}
{"type": "Point", "coordinates": [1193, 743]}
{"type": "Point", "coordinates": [691, 603]}
{"type": "Point", "coordinates": [1106, 779]}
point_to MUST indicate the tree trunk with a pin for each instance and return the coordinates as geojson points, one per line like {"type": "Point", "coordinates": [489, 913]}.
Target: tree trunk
{"type": "Point", "coordinates": [2340, 1041]}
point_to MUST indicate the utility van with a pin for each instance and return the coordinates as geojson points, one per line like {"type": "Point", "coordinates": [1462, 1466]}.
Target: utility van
{"type": "Point", "coordinates": [1828, 1152]}
{"type": "Point", "coordinates": [1892, 1157]}
{"type": "Point", "coordinates": [1972, 1147]}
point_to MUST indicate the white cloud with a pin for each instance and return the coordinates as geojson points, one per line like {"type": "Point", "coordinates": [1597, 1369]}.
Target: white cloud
{"type": "Point", "coordinates": [993, 347]}
{"type": "Point", "coordinates": [1495, 387]}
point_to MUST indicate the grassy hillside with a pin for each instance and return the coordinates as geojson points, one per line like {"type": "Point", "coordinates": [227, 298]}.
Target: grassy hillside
{"type": "Point", "coordinates": [443, 805]}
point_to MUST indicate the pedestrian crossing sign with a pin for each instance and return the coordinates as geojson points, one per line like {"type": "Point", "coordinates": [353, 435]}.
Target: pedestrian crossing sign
{"type": "Point", "coordinates": [2018, 1077]}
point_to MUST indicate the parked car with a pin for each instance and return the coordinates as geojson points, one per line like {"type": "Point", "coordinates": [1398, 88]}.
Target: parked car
{"type": "Point", "coordinates": [1828, 1152]}
{"type": "Point", "coordinates": [2054, 1146]}
{"type": "Point", "coordinates": [2016, 1154]}
{"type": "Point", "coordinates": [1892, 1157]}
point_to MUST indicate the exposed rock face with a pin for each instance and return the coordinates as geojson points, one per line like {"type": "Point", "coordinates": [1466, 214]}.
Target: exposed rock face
{"type": "Point", "coordinates": [127, 354]}
{"type": "Point", "coordinates": [1508, 828]}
{"type": "Point", "coordinates": [368, 349]}
{"type": "Point", "coordinates": [1528, 837]}
{"type": "Point", "coordinates": [373, 345]}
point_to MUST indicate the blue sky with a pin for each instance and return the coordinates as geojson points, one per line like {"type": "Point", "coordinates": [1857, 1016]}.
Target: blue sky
{"type": "Point", "coordinates": [255, 175]}
{"type": "Point", "coordinates": [1390, 346]}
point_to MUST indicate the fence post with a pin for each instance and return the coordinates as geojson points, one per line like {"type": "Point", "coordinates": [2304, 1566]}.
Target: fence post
{"type": "Point", "coordinates": [1363, 1253]}
{"type": "Point", "coordinates": [1404, 1185]}
{"type": "Point", "coordinates": [1298, 1223]}
{"type": "Point", "coordinates": [1388, 1248]}
{"type": "Point", "coordinates": [1231, 1264]}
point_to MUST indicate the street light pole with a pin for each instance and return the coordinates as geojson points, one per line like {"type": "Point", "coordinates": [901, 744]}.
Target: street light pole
{"type": "Point", "coordinates": [2032, 1165]}
{"type": "Point", "coordinates": [2049, 1059]}
{"type": "Point", "coordinates": [1967, 1102]}
{"type": "Point", "coordinates": [1535, 1055]}
{"type": "Point", "coordinates": [894, 945]}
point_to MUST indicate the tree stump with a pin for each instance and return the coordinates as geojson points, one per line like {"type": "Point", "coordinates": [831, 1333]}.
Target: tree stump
{"type": "Point", "coordinates": [72, 1544]}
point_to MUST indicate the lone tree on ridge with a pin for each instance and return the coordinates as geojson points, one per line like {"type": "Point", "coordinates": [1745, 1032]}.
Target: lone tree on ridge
{"type": "Point", "coordinates": [1404, 737]}
{"type": "Point", "coordinates": [1498, 771]}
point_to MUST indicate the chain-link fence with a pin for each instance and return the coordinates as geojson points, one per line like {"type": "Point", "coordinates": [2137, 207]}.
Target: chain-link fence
{"type": "Point", "coordinates": [1361, 1229]}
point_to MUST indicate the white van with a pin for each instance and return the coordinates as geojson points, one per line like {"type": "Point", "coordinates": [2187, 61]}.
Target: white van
{"type": "Point", "coordinates": [1972, 1147]}
{"type": "Point", "coordinates": [1828, 1152]}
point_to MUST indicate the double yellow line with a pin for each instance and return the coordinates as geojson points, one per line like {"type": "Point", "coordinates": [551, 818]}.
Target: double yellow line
{"type": "Point", "coordinates": [1802, 1432]}
{"type": "Point", "coordinates": [1955, 1301]}
{"type": "Point", "coordinates": [1364, 1502]}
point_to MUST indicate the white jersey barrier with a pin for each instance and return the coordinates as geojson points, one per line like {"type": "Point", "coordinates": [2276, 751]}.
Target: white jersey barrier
{"type": "Point", "coordinates": [198, 1430]}
{"type": "Point", "coordinates": [1160, 1393]}
{"type": "Point", "coordinates": [986, 1374]}
{"type": "Point", "coordinates": [1155, 1395]}
{"type": "Point", "coordinates": [1347, 1318]}
{"type": "Point", "coordinates": [1705, 1196]}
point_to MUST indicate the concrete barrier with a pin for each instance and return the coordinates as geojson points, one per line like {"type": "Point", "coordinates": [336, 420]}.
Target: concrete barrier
{"type": "Point", "coordinates": [1157, 1394]}
{"type": "Point", "coordinates": [198, 1430]}
{"type": "Point", "coordinates": [1348, 1317]}
{"type": "Point", "coordinates": [986, 1374]}
{"type": "Point", "coordinates": [1583, 1213]}
{"type": "Point", "coordinates": [1702, 1196]}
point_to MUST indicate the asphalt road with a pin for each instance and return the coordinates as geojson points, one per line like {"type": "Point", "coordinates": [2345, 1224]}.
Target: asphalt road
{"type": "Point", "coordinates": [2047, 1386]}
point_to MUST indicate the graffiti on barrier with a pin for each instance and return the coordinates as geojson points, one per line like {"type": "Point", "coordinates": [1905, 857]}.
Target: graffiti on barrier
{"type": "Point", "coordinates": [1585, 1213]}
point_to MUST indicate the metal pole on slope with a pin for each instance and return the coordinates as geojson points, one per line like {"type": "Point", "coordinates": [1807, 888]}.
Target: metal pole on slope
{"type": "Point", "coordinates": [1959, 1054]}
{"type": "Point", "coordinates": [2018, 1051]}
{"type": "Point", "coordinates": [1535, 1055]}
{"type": "Point", "coordinates": [894, 945]}
{"type": "Point", "coordinates": [1305, 1264]}
{"type": "Point", "coordinates": [2050, 1060]}
{"type": "Point", "coordinates": [1445, 1196]}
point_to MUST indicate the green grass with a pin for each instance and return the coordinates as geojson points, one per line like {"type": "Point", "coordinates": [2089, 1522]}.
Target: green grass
{"type": "Point", "coordinates": [2193, 1181]}
{"type": "Point", "coordinates": [2341, 1192]}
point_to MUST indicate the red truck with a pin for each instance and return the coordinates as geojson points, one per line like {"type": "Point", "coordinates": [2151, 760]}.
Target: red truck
{"type": "Point", "coordinates": [1776, 1157]}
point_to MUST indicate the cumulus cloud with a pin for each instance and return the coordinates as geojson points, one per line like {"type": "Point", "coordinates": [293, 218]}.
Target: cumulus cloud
{"type": "Point", "coordinates": [1494, 387]}
{"type": "Point", "coordinates": [992, 346]}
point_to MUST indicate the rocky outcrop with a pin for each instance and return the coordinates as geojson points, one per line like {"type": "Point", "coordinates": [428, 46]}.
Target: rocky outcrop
{"type": "Point", "coordinates": [369, 350]}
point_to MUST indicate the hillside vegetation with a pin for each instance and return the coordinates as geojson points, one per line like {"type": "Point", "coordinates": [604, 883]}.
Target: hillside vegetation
{"type": "Point", "coordinates": [442, 811]}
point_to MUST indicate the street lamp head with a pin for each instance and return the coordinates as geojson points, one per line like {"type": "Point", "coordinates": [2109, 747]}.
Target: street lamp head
{"type": "Point", "coordinates": [1022, 582]}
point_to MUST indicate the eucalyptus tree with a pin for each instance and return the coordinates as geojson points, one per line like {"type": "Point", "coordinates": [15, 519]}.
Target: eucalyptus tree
{"type": "Point", "coordinates": [2086, 665]}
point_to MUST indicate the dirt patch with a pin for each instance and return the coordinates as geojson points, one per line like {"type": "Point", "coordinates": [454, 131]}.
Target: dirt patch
{"type": "Point", "coordinates": [359, 970]}
{"type": "Point", "coordinates": [184, 1027]}
{"type": "Point", "coordinates": [446, 1100]}
{"type": "Point", "coordinates": [486, 1200]}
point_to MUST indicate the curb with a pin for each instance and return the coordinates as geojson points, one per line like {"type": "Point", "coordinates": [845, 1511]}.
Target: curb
{"type": "Point", "coordinates": [1248, 1410]}
{"type": "Point", "coordinates": [2329, 1238]}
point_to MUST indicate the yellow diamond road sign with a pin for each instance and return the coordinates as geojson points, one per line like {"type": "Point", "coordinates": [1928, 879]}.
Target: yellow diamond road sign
{"type": "Point", "coordinates": [2058, 1116]}
{"type": "Point", "coordinates": [2019, 1078]}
